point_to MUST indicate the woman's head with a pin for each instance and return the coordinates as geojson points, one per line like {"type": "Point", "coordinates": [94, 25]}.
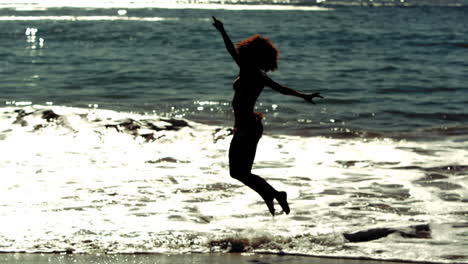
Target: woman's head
{"type": "Point", "coordinates": [258, 51]}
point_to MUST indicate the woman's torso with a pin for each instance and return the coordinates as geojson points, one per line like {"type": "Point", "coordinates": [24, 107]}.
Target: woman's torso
{"type": "Point", "coordinates": [247, 87]}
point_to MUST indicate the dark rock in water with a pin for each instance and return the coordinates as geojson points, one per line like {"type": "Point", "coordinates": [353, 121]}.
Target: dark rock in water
{"type": "Point", "coordinates": [240, 244]}
{"type": "Point", "coordinates": [221, 133]}
{"type": "Point", "coordinates": [38, 127]}
{"type": "Point", "coordinates": [49, 115]}
{"type": "Point", "coordinates": [454, 257]}
{"type": "Point", "coordinates": [369, 235]}
{"type": "Point", "coordinates": [150, 137]}
{"type": "Point", "coordinates": [152, 126]}
{"type": "Point", "coordinates": [132, 127]}
{"type": "Point", "coordinates": [166, 159]}
{"type": "Point", "coordinates": [175, 124]}
{"type": "Point", "coordinates": [130, 124]}
{"type": "Point", "coordinates": [113, 126]}
{"type": "Point", "coordinates": [417, 231]}
{"type": "Point", "coordinates": [19, 119]}
{"type": "Point", "coordinates": [22, 113]}
{"type": "Point", "coordinates": [347, 163]}
{"type": "Point", "coordinates": [234, 245]}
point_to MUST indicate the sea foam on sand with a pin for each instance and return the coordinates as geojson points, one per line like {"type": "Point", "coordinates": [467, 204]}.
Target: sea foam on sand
{"type": "Point", "coordinates": [91, 180]}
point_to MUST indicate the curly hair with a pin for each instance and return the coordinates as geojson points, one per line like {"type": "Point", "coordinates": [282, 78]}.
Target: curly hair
{"type": "Point", "coordinates": [258, 51]}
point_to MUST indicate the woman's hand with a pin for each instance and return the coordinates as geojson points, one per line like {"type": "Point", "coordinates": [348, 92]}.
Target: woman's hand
{"type": "Point", "coordinates": [309, 97]}
{"type": "Point", "coordinates": [218, 24]}
{"type": "Point", "coordinates": [258, 116]}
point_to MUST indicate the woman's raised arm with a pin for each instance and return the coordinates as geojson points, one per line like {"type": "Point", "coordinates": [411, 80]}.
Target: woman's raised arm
{"type": "Point", "coordinates": [227, 41]}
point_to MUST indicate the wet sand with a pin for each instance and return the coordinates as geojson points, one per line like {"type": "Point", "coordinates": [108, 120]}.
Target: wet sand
{"type": "Point", "coordinates": [25, 258]}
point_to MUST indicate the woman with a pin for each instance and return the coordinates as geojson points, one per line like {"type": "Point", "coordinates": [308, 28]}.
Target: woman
{"type": "Point", "coordinates": [255, 56]}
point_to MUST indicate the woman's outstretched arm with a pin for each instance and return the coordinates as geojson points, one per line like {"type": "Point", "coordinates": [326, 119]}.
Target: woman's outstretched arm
{"type": "Point", "coordinates": [288, 91]}
{"type": "Point", "coordinates": [227, 41]}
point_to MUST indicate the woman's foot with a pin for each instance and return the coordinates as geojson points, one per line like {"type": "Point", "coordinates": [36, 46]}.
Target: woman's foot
{"type": "Point", "coordinates": [269, 201]}
{"type": "Point", "coordinates": [282, 198]}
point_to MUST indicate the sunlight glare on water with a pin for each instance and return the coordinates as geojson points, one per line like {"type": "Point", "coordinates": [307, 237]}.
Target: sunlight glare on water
{"type": "Point", "coordinates": [167, 4]}
{"type": "Point", "coordinates": [80, 18]}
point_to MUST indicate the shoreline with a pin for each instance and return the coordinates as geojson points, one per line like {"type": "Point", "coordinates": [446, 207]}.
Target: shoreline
{"type": "Point", "coordinates": [223, 124]}
{"type": "Point", "coordinates": [160, 258]}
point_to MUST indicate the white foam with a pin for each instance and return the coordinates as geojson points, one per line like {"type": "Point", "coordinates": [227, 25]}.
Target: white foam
{"type": "Point", "coordinates": [75, 178]}
{"type": "Point", "coordinates": [166, 4]}
{"type": "Point", "coordinates": [82, 18]}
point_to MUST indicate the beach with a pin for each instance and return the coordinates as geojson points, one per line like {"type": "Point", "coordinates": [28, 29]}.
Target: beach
{"type": "Point", "coordinates": [116, 120]}
{"type": "Point", "coordinates": [179, 259]}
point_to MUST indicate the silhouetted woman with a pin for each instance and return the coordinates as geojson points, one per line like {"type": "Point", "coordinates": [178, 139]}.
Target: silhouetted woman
{"type": "Point", "coordinates": [255, 56]}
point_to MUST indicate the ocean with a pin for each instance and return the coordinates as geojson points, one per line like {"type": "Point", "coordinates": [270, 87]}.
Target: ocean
{"type": "Point", "coordinates": [115, 121]}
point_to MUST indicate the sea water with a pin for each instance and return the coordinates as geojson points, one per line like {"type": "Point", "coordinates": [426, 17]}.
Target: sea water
{"type": "Point", "coordinates": [115, 122]}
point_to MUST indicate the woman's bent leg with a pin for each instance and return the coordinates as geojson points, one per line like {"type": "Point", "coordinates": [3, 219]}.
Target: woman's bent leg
{"type": "Point", "coordinates": [262, 187]}
{"type": "Point", "coordinates": [241, 156]}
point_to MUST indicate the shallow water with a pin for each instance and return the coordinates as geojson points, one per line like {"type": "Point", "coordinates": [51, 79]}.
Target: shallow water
{"type": "Point", "coordinates": [92, 180]}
